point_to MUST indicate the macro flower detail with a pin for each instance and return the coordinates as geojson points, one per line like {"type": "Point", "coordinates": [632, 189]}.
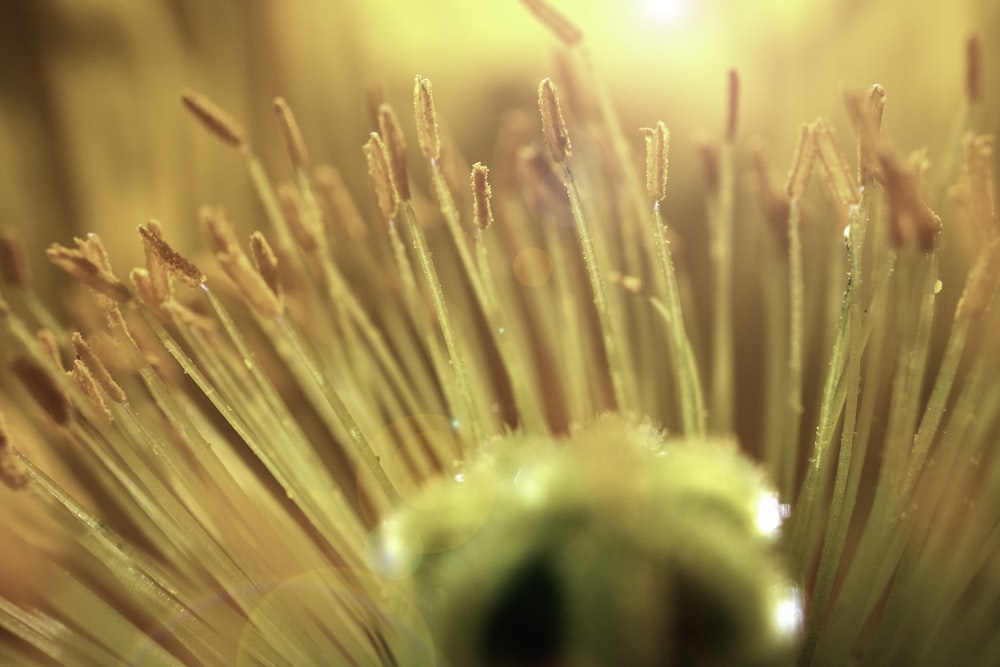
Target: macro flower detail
{"type": "Point", "coordinates": [520, 411]}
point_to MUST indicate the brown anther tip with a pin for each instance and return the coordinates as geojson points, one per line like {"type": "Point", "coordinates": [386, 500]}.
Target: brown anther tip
{"type": "Point", "coordinates": [178, 266]}
{"type": "Point", "coordinates": [427, 127]}
{"type": "Point", "coordinates": [292, 134]}
{"type": "Point", "coordinates": [802, 163]}
{"type": "Point", "coordinates": [13, 268]}
{"type": "Point", "coordinates": [215, 120]}
{"type": "Point", "coordinates": [973, 68]}
{"type": "Point", "coordinates": [86, 354]}
{"type": "Point", "coordinates": [553, 124]}
{"type": "Point", "coordinates": [395, 144]}
{"type": "Point", "coordinates": [560, 26]}
{"type": "Point", "coordinates": [733, 104]}
{"type": "Point", "coordinates": [381, 176]}
{"type": "Point", "coordinates": [43, 389]}
{"type": "Point", "coordinates": [481, 193]}
{"type": "Point", "coordinates": [657, 145]}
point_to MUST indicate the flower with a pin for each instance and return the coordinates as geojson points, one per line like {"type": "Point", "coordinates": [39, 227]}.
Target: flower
{"type": "Point", "coordinates": [507, 414]}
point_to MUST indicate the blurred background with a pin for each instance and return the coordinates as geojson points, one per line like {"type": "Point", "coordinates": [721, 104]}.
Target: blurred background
{"type": "Point", "coordinates": [93, 137]}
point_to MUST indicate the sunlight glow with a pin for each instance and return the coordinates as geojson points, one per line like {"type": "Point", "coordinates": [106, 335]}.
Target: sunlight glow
{"type": "Point", "coordinates": [667, 11]}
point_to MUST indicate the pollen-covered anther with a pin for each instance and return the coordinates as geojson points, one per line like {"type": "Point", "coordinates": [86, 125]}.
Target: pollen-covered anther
{"type": "Point", "coordinates": [657, 144]}
{"type": "Point", "coordinates": [266, 263]}
{"type": "Point", "coordinates": [81, 376]}
{"type": "Point", "coordinates": [381, 176]}
{"type": "Point", "coordinates": [395, 146]}
{"type": "Point", "coordinates": [88, 264]}
{"type": "Point", "coordinates": [12, 471]}
{"type": "Point", "coordinates": [909, 216]}
{"type": "Point", "coordinates": [481, 194]}
{"type": "Point", "coordinates": [213, 118]}
{"type": "Point", "coordinates": [427, 127]}
{"type": "Point", "coordinates": [100, 372]}
{"type": "Point", "coordinates": [292, 134]}
{"type": "Point", "coordinates": [237, 266]}
{"type": "Point", "coordinates": [560, 26]}
{"type": "Point", "coordinates": [46, 392]}
{"type": "Point", "coordinates": [839, 179]}
{"type": "Point", "coordinates": [553, 124]}
{"type": "Point", "coordinates": [179, 266]}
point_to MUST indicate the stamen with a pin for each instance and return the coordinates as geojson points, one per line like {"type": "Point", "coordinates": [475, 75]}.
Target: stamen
{"type": "Point", "coordinates": [395, 144]}
{"type": "Point", "coordinates": [80, 265]}
{"type": "Point", "coordinates": [802, 163]}
{"type": "Point", "coordinates": [657, 143]}
{"type": "Point", "coordinates": [340, 203]}
{"type": "Point", "coordinates": [252, 284]}
{"type": "Point", "coordinates": [179, 266]}
{"type": "Point", "coordinates": [43, 389]}
{"type": "Point", "coordinates": [47, 340]}
{"type": "Point", "coordinates": [87, 385]}
{"type": "Point", "coordinates": [838, 176]}
{"type": "Point", "coordinates": [266, 263]}
{"type": "Point", "coordinates": [97, 368]}
{"type": "Point", "coordinates": [291, 207]}
{"type": "Point", "coordinates": [427, 127]}
{"type": "Point", "coordinates": [973, 68]}
{"type": "Point", "coordinates": [554, 21]}
{"type": "Point", "coordinates": [215, 120]}
{"type": "Point", "coordinates": [553, 125]}
{"type": "Point", "coordinates": [867, 118]}
{"type": "Point", "coordinates": [12, 471]}
{"type": "Point", "coordinates": [381, 176]}
{"type": "Point", "coordinates": [13, 269]}
{"type": "Point", "coordinates": [775, 202]}
{"type": "Point", "coordinates": [481, 193]}
{"type": "Point", "coordinates": [294, 142]}
{"type": "Point", "coordinates": [733, 99]}
{"type": "Point", "coordinates": [981, 283]}
{"type": "Point", "coordinates": [910, 216]}
{"type": "Point", "coordinates": [974, 190]}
